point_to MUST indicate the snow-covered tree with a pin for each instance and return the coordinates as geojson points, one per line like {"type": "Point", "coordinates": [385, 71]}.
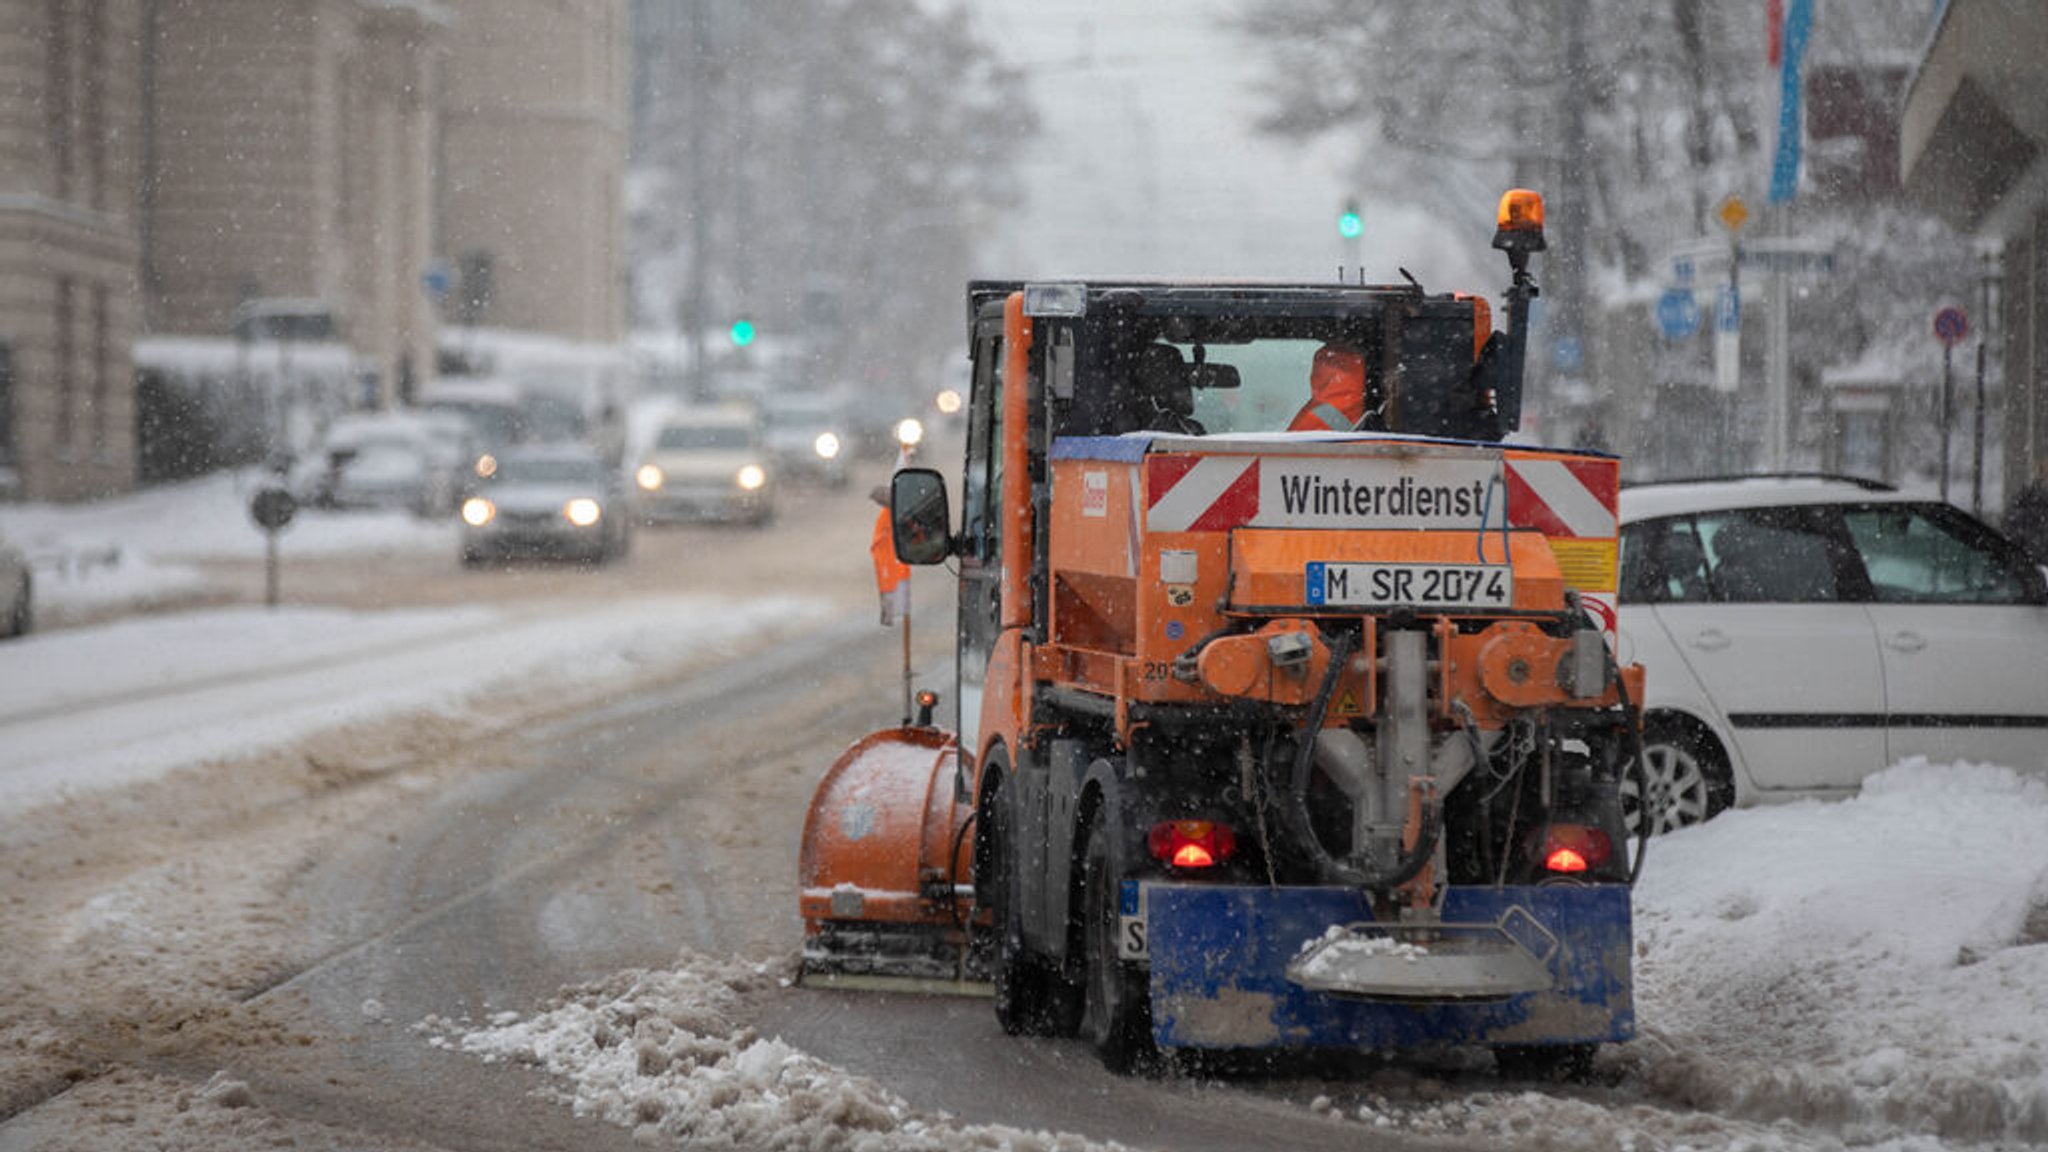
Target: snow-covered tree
{"type": "Point", "coordinates": [832, 158]}
{"type": "Point", "coordinates": [1637, 118]}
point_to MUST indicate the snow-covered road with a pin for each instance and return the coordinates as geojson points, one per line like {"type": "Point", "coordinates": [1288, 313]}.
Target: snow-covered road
{"type": "Point", "coordinates": [536, 850]}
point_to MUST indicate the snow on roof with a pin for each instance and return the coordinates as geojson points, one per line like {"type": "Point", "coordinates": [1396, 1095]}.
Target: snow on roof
{"type": "Point", "coordinates": [223, 356]}
{"type": "Point", "coordinates": [1647, 501]}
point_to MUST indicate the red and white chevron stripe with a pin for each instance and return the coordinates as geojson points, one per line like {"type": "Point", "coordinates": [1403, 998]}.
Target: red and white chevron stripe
{"type": "Point", "coordinates": [1563, 497]}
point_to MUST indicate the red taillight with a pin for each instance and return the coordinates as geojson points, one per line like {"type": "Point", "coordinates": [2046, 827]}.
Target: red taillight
{"type": "Point", "coordinates": [1575, 848]}
{"type": "Point", "coordinates": [1192, 843]}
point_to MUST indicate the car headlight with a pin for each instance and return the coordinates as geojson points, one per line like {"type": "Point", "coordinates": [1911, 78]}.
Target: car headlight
{"type": "Point", "coordinates": [582, 511]}
{"type": "Point", "coordinates": [649, 478]}
{"type": "Point", "coordinates": [909, 431]}
{"type": "Point", "coordinates": [477, 511]}
{"type": "Point", "coordinates": [751, 477]}
{"type": "Point", "coordinates": [826, 445]}
{"type": "Point", "coordinates": [486, 466]}
{"type": "Point", "coordinates": [948, 401]}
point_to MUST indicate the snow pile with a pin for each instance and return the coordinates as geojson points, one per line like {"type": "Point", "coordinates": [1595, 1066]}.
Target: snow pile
{"type": "Point", "coordinates": [1872, 972]}
{"type": "Point", "coordinates": [84, 581]}
{"type": "Point", "coordinates": [1877, 967]}
{"type": "Point", "coordinates": [1337, 950]}
{"type": "Point", "coordinates": [164, 692]}
{"type": "Point", "coordinates": [662, 1053]}
{"type": "Point", "coordinates": [208, 518]}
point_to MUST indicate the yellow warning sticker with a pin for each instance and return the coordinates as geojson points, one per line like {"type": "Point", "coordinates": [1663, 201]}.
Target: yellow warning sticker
{"type": "Point", "coordinates": [1347, 703]}
{"type": "Point", "coordinates": [1587, 565]}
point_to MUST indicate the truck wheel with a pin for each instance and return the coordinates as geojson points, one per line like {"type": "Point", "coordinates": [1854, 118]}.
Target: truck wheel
{"type": "Point", "coordinates": [1117, 1014]}
{"type": "Point", "coordinates": [1689, 781]}
{"type": "Point", "coordinates": [1030, 997]}
{"type": "Point", "coordinates": [1547, 1062]}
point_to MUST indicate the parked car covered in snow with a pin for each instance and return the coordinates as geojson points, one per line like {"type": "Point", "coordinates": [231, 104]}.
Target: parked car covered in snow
{"type": "Point", "coordinates": [1801, 633]}
{"type": "Point", "coordinates": [405, 459]}
{"type": "Point", "coordinates": [560, 500]}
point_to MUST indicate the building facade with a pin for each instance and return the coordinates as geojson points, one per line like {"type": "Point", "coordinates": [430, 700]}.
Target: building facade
{"type": "Point", "coordinates": [70, 106]}
{"type": "Point", "coordinates": [290, 156]}
{"type": "Point", "coordinates": [534, 121]}
{"type": "Point", "coordinates": [1973, 146]}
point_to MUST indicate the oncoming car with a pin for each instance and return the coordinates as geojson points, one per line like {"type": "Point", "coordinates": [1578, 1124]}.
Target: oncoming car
{"type": "Point", "coordinates": [707, 464]}
{"type": "Point", "coordinates": [1801, 633]}
{"type": "Point", "coordinates": [553, 500]}
{"type": "Point", "coordinates": [806, 437]}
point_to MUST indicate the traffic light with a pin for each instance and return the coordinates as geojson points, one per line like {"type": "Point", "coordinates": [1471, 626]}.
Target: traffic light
{"type": "Point", "coordinates": [1350, 225]}
{"type": "Point", "coordinates": [742, 333]}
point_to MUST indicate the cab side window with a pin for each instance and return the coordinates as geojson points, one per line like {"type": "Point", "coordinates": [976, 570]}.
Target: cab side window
{"type": "Point", "coordinates": [1914, 557]}
{"type": "Point", "coordinates": [983, 484]}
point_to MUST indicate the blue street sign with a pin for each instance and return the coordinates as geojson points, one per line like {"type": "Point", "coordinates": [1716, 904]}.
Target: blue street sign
{"type": "Point", "coordinates": [1568, 355]}
{"type": "Point", "coordinates": [1678, 314]}
{"type": "Point", "coordinates": [1728, 309]}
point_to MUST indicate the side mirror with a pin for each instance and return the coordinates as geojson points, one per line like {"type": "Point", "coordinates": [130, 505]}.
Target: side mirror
{"type": "Point", "coordinates": [920, 518]}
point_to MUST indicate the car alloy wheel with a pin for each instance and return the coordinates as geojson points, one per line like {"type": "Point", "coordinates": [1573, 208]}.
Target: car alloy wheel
{"type": "Point", "coordinates": [1686, 783]}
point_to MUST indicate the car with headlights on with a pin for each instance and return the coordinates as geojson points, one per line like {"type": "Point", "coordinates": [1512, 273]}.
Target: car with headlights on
{"type": "Point", "coordinates": [1799, 633]}
{"type": "Point", "coordinates": [707, 464]}
{"type": "Point", "coordinates": [806, 437]}
{"type": "Point", "coordinates": [556, 500]}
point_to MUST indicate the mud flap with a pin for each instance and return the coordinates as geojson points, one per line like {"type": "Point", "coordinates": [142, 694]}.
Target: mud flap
{"type": "Point", "coordinates": [1220, 955]}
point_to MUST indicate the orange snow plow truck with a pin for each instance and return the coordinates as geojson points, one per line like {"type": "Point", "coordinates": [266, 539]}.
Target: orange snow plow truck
{"type": "Point", "coordinates": [1264, 738]}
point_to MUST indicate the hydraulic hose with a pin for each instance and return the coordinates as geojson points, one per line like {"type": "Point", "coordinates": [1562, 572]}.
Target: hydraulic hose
{"type": "Point", "coordinates": [1328, 867]}
{"type": "Point", "coordinates": [1635, 728]}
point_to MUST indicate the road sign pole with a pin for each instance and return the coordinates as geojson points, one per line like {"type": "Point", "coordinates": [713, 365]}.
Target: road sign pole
{"type": "Point", "coordinates": [270, 568]}
{"type": "Point", "coordinates": [1778, 377]}
{"type": "Point", "coordinates": [1977, 441]}
{"type": "Point", "coordinates": [1947, 403]}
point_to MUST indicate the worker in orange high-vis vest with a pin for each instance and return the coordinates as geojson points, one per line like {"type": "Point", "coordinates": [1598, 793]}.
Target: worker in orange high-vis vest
{"type": "Point", "coordinates": [892, 576]}
{"type": "Point", "coordinates": [1336, 384]}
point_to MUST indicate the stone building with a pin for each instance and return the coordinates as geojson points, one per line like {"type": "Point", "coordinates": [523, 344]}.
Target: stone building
{"type": "Point", "coordinates": [290, 155]}
{"type": "Point", "coordinates": [534, 127]}
{"type": "Point", "coordinates": [70, 104]}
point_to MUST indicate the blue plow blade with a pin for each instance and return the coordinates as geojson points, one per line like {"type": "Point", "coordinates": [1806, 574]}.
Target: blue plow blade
{"type": "Point", "coordinates": [1219, 956]}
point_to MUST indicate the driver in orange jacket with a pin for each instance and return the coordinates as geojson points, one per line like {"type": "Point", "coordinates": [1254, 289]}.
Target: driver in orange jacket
{"type": "Point", "coordinates": [1336, 382]}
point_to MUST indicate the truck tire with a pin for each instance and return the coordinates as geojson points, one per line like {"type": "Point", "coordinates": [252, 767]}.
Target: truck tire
{"type": "Point", "coordinates": [1030, 997]}
{"type": "Point", "coordinates": [1116, 1015]}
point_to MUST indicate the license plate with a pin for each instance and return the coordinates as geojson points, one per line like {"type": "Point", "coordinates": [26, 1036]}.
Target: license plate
{"type": "Point", "coordinates": [1410, 585]}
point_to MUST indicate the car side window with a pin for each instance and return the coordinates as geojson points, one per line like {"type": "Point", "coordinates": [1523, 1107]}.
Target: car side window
{"type": "Point", "coordinates": [1768, 556]}
{"type": "Point", "coordinates": [1915, 556]}
{"type": "Point", "coordinates": [1662, 563]}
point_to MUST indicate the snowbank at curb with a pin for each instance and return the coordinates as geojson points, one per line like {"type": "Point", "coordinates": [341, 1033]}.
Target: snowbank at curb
{"type": "Point", "coordinates": [661, 1053]}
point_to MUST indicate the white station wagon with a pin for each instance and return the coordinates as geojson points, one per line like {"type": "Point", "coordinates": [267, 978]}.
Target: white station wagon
{"type": "Point", "coordinates": [1801, 633]}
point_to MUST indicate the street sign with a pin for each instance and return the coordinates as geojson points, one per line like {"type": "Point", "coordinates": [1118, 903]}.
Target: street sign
{"type": "Point", "coordinates": [1728, 339]}
{"type": "Point", "coordinates": [1951, 326]}
{"type": "Point", "coordinates": [272, 509]}
{"type": "Point", "coordinates": [1568, 355]}
{"type": "Point", "coordinates": [1678, 314]}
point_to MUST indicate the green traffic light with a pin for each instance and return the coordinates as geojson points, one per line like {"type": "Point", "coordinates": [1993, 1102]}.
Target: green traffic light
{"type": "Point", "coordinates": [1350, 225]}
{"type": "Point", "coordinates": [742, 333]}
